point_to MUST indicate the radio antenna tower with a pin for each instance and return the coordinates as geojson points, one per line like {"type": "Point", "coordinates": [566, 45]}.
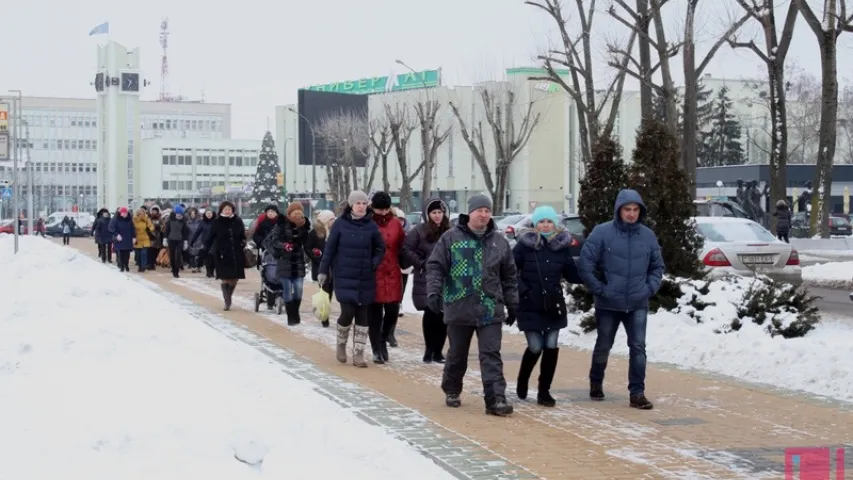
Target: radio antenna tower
{"type": "Point", "coordinates": [164, 61]}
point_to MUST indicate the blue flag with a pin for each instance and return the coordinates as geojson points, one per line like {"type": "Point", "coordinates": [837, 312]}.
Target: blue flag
{"type": "Point", "coordinates": [102, 29]}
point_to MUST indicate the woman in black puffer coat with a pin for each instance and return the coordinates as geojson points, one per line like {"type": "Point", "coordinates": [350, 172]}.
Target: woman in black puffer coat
{"type": "Point", "coordinates": [286, 242]}
{"type": "Point", "coordinates": [226, 244]}
{"type": "Point", "coordinates": [783, 220]}
{"type": "Point", "coordinates": [543, 259]}
{"type": "Point", "coordinates": [354, 251]}
{"type": "Point", "coordinates": [201, 235]}
{"type": "Point", "coordinates": [417, 248]}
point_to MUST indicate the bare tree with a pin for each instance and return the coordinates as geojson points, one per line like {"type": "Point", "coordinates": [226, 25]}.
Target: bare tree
{"type": "Point", "coordinates": [692, 76]}
{"type": "Point", "coordinates": [346, 136]}
{"type": "Point", "coordinates": [773, 54]}
{"type": "Point", "coordinates": [575, 54]}
{"type": "Point", "coordinates": [623, 59]}
{"type": "Point", "coordinates": [432, 137]}
{"type": "Point", "coordinates": [845, 122]}
{"type": "Point", "coordinates": [803, 102]}
{"type": "Point", "coordinates": [835, 21]}
{"type": "Point", "coordinates": [401, 125]}
{"type": "Point", "coordinates": [380, 138]}
{"type": "Point", "coordinates": [501, 112]}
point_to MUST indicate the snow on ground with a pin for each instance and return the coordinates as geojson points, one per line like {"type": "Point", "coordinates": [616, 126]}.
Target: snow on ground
{"type": "Point", "coordinates": [829, 275]}
{"type": "Point", "coordinates": [101, 378]}
{"type": "Point", "coordinates": [817, 363]}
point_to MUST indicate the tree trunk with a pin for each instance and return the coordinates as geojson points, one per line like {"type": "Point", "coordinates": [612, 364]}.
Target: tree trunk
{"type": "Point", "coordinates": [646, 105]}
{"type": "Point", "coordinates": [499, 193]}
{"type": "Point", "coordinates": [822, 200]}
{"type": "Point", "coordinates": [691, 98]}
{"type": "Point", "coordinates": [386, 184]}
{"type": "Point", "coordinates": [426, 181]}
{"type": "Point", "coordinates": [778, 135]}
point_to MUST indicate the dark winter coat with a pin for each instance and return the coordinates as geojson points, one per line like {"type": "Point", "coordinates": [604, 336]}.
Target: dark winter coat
{"type": "Point", "coordinates": [474, 274]}
{"type": "Point", "coordinates": [202, 233]}
{"type": "Point", "coordinates": [542, 262]}
{"type": "Point", "coordinates": [316, 240]}
{"type": "Point", "coordinates": [621, 263]}
{"type": "Point", "coordinates": [196, 242]}
{"type": "Point", "coordinates": [101, 228]}
{"type": "Point", "coordinates": [176, 230]}
{"type": "Point", "coordinates": [263, 227]}
{"type": "Point", "coordinates": [288, 263]}
{"type": "Point", "coordinates": [123, 226]}
{"type": "Point", "coordinates": [226, 244]}
{"type": "Point", "coordinates": [389, 278]}
{"type": "Point", "coordinates": [783, 220]}
{"type": "Point", "coordinates": [417, 248]}
{"type": "Point", "coordinates": [353, 252]}
{"type": "Point", "coordinates": [157, 221]}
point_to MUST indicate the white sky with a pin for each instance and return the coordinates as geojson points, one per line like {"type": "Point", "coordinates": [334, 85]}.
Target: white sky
{"type": "Point", "coordinates": [255, 54]}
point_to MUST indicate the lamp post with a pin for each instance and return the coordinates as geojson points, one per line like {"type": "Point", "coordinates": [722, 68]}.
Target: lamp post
{"type": "Point", "coordinates": [16, 133]}
{"type": "Point", "coordinates": [284, 169]}
{"type": "Point", "coordinates": [719, 188]}
{"type": "Point", "coordinates": [313, 154]}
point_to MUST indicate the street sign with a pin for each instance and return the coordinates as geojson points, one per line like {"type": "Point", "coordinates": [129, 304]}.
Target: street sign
{"type": "Point", "coordinates": [533, 205]}
{"type": "Point", "coordinates": [314, 203]}
{"type": "Point", "coordinates": [4, 146]}
{"type": "Point", "coordinates": [7, 193]}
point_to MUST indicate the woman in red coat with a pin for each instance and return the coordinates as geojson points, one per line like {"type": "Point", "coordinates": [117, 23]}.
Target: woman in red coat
{"type": "Point", "coordinates": [382, 316]}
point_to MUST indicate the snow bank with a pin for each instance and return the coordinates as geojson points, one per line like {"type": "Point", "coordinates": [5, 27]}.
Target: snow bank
{"type": "Point", "coordinates": [100, 378]}
{"type": "Point", "coordinates": [830, 275]}
{"type": "Point", "coordinates": [817, 363]}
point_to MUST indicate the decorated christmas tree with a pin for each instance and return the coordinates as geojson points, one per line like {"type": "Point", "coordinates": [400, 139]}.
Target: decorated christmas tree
{"type": "Point", "coordinates": [266, 189]}
{"type": "Point", "coordinates": [665, 189]}
{"type": "Point", "coordinates": [605, 176]}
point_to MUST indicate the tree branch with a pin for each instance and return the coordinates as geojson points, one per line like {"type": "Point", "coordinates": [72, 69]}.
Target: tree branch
{"type": "Point", "coordinates": [751, 46]}
{"type": "Point", "coordinates": [719, 43]}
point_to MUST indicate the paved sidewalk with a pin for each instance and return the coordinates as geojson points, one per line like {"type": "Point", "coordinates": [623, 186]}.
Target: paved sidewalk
{"type": "Point", "coordinates": [702, 426]}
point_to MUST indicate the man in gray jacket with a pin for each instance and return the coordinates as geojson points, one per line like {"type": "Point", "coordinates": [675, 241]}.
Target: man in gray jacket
{"type": "Point", "coordinates": [471, 277]}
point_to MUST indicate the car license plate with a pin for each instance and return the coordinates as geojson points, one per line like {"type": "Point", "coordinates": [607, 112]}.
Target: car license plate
{"type": "Point", "coordinates": [756, 259]}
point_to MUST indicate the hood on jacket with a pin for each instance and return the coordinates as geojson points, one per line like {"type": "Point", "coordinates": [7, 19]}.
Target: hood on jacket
{"type": "Point", "coordinates": [530, 237]}
{"type": "Point", "coordinates": [141, 213]}
{"type": "Point", "coordinates": [428, 203]}
{"type": "Point", "coordinates": [345, 215]}
{"type": "Point", "coordinates": [102, 211]}
{"type": "Point", "coordinates": [626, 196]}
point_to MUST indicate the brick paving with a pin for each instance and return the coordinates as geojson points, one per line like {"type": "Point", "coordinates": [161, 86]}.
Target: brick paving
{"type": "Point", "coordinates": [703, 426]}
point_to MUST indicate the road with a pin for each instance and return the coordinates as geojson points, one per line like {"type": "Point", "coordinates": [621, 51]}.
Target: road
{"type": "Point", "coordinates": [833, 302]}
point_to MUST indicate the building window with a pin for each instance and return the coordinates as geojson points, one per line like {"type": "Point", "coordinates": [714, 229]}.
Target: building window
{"type": "Point", "coordinates": [165, 185]}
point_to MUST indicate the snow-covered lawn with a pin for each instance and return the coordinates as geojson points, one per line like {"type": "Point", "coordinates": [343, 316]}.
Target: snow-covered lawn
{"type": "Point", "coordinates": [830, 275]}
{"type": "Point", "coordinates": [101, 378]}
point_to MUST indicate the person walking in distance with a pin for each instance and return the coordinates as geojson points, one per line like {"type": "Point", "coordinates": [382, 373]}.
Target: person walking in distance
{"type": "Point", "coordinates": [156, 237]}
{"type": "Point", "coordinates": [389, 278]}
{"type": "Point", "coordinates": [354, 250]}
{"type": "Point", "coordinates": [622, 266]}
{"type": "Point", "coordinates": [195, 242]}
{"type": "Point", "coordinates": [286, 242]}
{"type": "Point", "coordinates": [124, 237]}
{"type": "Point", "coordinates": [316, 241]}
{"type": "Point", "coordinates": [543, 258]}
{"type": "Point", "coordinates": [783, 220]}
{"type": "Point", "coordinates": [142, 225]}
{"type": "Point", "coordinates": [176, 237]}
{"type": "Point", "coordinates": [471, 277]}
{"type": "Point", "coordinates": [200, 237]}
{"type": "Point", "coordinates": [225, 244]}
{"type": "Point", "coordinates": [103, 237]}
{"type": "Point", "coordinates": [68, 225]}
{"type": "Point", "coordinates": [420, 241]}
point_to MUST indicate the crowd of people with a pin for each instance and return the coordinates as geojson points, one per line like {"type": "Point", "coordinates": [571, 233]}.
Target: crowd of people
{"type": "Point", "coordinates": [467, 279]}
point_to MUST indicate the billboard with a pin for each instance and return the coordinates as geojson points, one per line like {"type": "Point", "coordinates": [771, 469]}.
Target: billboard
{"type": "Point", "coordinates": [4, 131]}
{"type": "Point", "coordinates": [317, 110]}
{"type": "Point", "coordinates": [388, 83]}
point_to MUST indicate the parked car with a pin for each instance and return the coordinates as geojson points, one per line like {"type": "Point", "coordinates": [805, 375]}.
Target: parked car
{"type": "Point", "coordinates": [718, 207]}
{"type": "Point", "coordinates": [55, 230]}
{"type": "Point", "coordinates": [743, 247]}
{"type": "Point", "coordinates": [839, 226]}
{"type": "Point", "coordinates": [800, 227]}
{"type": "Point", "coordinates": [510, 224]}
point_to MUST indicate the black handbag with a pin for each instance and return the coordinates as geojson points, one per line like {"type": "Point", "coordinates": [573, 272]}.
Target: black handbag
{"type": "Point", "coordinates": [552, 304]}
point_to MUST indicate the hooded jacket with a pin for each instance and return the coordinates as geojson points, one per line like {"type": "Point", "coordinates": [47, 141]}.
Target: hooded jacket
{"type": "Point", "coordinates": [101, 228]}
{"type": "Point", "coordinates": [289, 264]}
{"type": "Point", "coordinates": [621, 263]}
{"type": "Point", "coordinates": [143, 227]}
{"type": "Point", "coordinates": [420, 241]}
{"type": "Point", "coordinates": [783, 219]}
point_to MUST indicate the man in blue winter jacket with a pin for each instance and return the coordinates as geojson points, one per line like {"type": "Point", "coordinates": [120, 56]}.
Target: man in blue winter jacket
{"type": "Point", "coordinates": [621, 264]}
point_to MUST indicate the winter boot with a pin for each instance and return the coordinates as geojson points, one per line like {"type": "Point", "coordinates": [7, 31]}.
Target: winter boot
{"type": "Point", "coordinates": [546, 376]}
{"type": "Point", "coordinates": [271, 300]}
{"type": "Point", "coordinates": [453, 400]}
{"type": "Point", "coordinates": [428, 355]}
{"type": "Point", "coordinates": [391, 338]}
{"type": "Point", "coordinates": [596, 391]}
{"type": "Point", "coordinates": [226, 296]}
{"type": "Point", "coordinates": [377, 357]}
{"type": "Point", "coordinates": [297, 304]}
{"type": "Point", "coordinates": [383, 350]}
{"type": "Point", "coordinates": [528, 361]}
{"type": "Point", "coordinates": [359, 339]}
{"type": "Point", "coordinates": [500, 408]}
{"type": "Point", "coordinates": [291, 317]}
{"type": "Point", "coordinates": [343, 338]}
{"type": "Point", "coordinates": [640, 401]}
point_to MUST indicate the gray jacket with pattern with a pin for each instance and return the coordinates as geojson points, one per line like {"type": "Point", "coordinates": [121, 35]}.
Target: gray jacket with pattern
{"type": "Point", "coordinates": [474, 274]}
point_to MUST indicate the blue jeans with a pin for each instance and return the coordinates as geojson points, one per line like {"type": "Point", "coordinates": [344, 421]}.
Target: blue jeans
{"type": "Point", "coordinates": [635, 327]}
{"type": "Point", "coordinates": [536, 341]}
{"type": "Point", "coordinates": [142, 257]}
{"type": "Point", "coordinates": [291, 289]}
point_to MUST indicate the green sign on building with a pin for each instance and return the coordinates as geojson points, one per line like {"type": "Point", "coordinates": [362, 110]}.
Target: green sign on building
{"type": "Point", "coordinates": [397, 83]}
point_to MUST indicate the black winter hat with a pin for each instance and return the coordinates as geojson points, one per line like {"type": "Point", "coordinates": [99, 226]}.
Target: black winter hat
{"type": "Point", "coordinates": [272, 207]}
{"type": "Point", "coordinates": [381, 200]}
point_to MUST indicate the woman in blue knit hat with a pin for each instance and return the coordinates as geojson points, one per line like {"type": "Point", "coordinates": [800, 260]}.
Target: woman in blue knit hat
{"type": "Point", "coordinates": [543, 259]}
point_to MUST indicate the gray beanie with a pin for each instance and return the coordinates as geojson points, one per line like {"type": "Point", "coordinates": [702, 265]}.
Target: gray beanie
{"type": "Point", "coordinates": [357, 196]}
{"type": "Point", "coordinates": [479, 201]}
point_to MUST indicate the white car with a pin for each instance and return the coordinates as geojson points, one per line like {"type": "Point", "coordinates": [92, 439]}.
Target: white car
{"type": "Point", "coordinates": [742, 247]}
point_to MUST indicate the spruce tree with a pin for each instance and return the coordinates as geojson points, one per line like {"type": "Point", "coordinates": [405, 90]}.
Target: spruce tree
{"type": "Point", "coordinates": [266, 190]}
{"type": "Point", "coordinates": [721, 144]}
{"type": "Point", "coordinates": [605, 176]}
{"type": "Point", "coordinates": [665, 188]}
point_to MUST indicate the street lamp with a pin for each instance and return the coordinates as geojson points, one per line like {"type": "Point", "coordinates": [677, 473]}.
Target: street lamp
{"type": "Point", "coordinates": [16, 133]}
{"type": "Point", "coordinates": [313, 154]}
{"type": "Point", "coordinates": [719, 188]}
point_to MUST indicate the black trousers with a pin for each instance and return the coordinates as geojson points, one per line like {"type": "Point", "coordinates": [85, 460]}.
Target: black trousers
{"type": "Point", "coordinates": [435, 331]}
{"type": "Point", "coordinates": [124, 258]}
{"type": "Point", "coordinates": [783, 236]}
{"type": "Point", "coordinates": [152, 256]}
{"type": "Point", "coordinates": [491, 365]}
{"type": "Point", "coordinates": [176, 256]}
{"type": "Point", "coordinates": [208, 265]}
{"type": "Point", "coordinates": [105, 253]}
{"type": "Point", "coordinates": [66, 239]}
{"type": "Point", "coordinates": [382, 318]}
{"type": "Point", "coordinates": [351, 312]}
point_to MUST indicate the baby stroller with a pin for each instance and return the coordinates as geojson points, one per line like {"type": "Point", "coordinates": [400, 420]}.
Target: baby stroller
{"type": "Point", "coordinates": [270, 286]}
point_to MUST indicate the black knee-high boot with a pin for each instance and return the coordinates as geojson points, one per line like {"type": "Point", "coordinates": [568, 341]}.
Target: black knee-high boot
{"type": "Point", "coordinates": [226, 295]}
{"type": "Point", "coordinates": [528, 361]}
{"type": "Point", "coordinates": [546, 376]}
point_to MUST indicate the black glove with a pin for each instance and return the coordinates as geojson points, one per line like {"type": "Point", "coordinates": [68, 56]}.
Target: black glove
{"type": "Point", "coordinates": [510, 317]}
{"type": "Point", "coordinates": [435, 304]}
